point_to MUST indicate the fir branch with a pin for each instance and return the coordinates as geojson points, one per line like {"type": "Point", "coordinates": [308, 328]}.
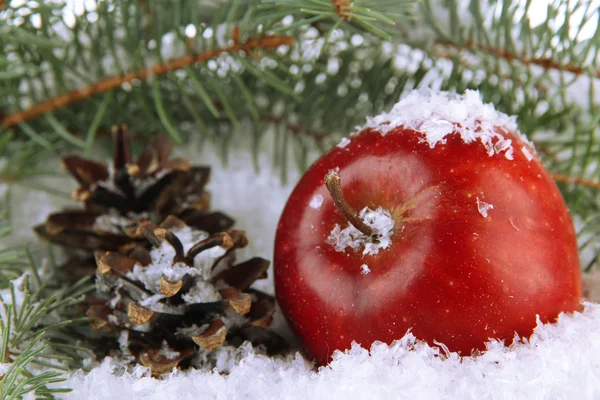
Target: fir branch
{"type": "Point", "coordinates": [561, 178]}
{"type": "Point", "coordinates": [247, 47]}
{"type": "Point", "coordinates": [27, 330]}
{"type": "Point", "coordinates": [30, 320]}
{"type": "Point", "coordinates": [542, 62]}
{"type": "Point", "coordinates": [367, 16]}
{"type": "Point", "coordinates": [12, 264]}
{"type": "Point", "coordinates": [317, 89]}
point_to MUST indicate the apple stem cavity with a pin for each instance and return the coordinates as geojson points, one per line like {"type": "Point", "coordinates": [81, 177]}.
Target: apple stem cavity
{"type": "Point", "coordinates": [334, 186]}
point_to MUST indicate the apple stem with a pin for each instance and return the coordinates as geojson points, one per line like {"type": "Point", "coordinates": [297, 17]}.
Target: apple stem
{"type": "Point", "coordinates": [334, 186]}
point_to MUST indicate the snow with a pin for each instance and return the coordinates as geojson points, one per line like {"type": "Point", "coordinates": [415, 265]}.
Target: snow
{"type": "Point", "coordinates": [559, 361]}
{"type": "Point", "coordinates": [484, 207]}
{"type": "Point", "coordinates": [527, 153]}
{"type": "Point", "coordinates": [168, 352]}
{"type": "Point", "coordinates": [364, 269]}
{"type": "Point", "coordinates": [343, 143]}
{"type": "Point", "coordinates": [113, 222]}
{"type": "Point", "coordinates": [162, 265]}
{"type": "Point", "coordinates": [316, 202]}
{"type": "Point", "coordinates": [438, 114]}
{"type": "Point", "coordinates": [382, 223]}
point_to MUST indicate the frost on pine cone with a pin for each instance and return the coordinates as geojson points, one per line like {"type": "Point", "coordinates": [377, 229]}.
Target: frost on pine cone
{"type": "Point", "coordinates": [168, 306]}
{"type": "Point", "coordinates": [117, 197]}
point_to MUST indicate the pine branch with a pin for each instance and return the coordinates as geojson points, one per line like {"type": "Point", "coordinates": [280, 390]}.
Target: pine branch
{"type": "Point", "coordinates": [373, 17]}
{"type": "Point", "coordinates": [250, 45]}
{"type": "Point", "coordinates": [32, 322]}
{"type": "Point", "coordinates": [28, 328]}
{"type": "Point", "coordinates": [545, 63]}
{"type": "Point", "coordinates": [310, 92]}
{"type": "Point", "coordinates": [561, 178]}
{"type": "Point", "coordinates": [12, 259]}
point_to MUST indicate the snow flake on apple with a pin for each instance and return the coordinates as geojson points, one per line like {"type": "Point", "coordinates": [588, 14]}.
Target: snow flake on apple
{"type": "Point", "coordinates": [527, 153]}
{"type": "Point", "coordinates": [382, 223]}
{"type": "Point", "coordinates": [484, 207]}
{"type": "Point", "coordinates": [343, 143]}
{"type": "Point", "coordinates": [438, 114]}
{"type": "Point", "coordinates": [364, 269]}
{"type": "Point", "coordinates": [316, 202]}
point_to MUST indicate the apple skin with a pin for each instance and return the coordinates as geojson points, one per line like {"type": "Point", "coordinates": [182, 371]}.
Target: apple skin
{"type": "Point", "coordinates": [451, 275]}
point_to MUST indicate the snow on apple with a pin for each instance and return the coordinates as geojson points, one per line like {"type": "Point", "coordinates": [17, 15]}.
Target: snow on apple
{"type": "Point", "coordinates": [364, 269]}
{"type": "Point", "coordinates": [484, 207]}
{"type": "Point", "coordinates": [316, 201]}
{"type": "Point", "coordinates": [343, 142]}
{"type": "Point", "coordinates": [437, 115]}
{"type": "Point", "coordinates": [381, 222]}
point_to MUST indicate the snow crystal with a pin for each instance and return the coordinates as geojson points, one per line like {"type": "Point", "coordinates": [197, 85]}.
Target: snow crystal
{"type": "Point", "coordinates": [112, 222]}
{"type": "Point", "coordinates": [168, 352]}
{"type": "Point", "coordinates": [316, 202]}
{"type": "Point", "coordinates": [364, 269]}
{"type": "Point", "coordinates": [438, 114]}
{"type": "Point", "coordinates": [343, 143]}
{"type": "Point", "coordinates": [527, 153]}
{"type": "Point", "coordinates": [484, 207]}
{"type": "Point", "coordinates": [151, 300]}
{"type": "Point", "coordinates": [124, 342]}
{"type": "Point", "coordinates": [4, 368]}
{"type": "Point", "coordinates": [232, 319]}
{"type": "Point", "coordinates": [201, 292]}
{"type": "Point", "coordinates": [436, 130]}
{"type": "Point", "coordinates": [162, 265]}
{"type": "Point", "coordinates": [382, 223]}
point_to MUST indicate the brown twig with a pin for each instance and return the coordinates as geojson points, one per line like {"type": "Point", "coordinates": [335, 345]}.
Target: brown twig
{"type": "Point", "coordinates": [266, 42]}
{"type": "Point", "coordinates": [542, 62]}
{"type": "Point", "coordinates": [579, 181]}
{"type": "Point", "coordinates": [334, 186]}
{"type": "Point", "coordinates": [342, 8]}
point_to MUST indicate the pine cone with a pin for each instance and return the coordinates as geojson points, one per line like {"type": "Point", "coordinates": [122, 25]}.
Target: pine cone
{"type": "Point", "coordinates": [117, 197]}
{"type": "Point", "coordinates": [183, 298]}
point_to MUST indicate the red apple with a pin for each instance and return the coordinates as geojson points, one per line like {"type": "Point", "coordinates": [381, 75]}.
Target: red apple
{"type": "Point", "coordinates": [482, 242]}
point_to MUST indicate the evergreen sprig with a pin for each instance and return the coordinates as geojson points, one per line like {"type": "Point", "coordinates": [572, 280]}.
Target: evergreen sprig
{"type": "Point", "coordinates": [35, 344]}
{"type": "Point", "coordinates": [36, 323]}
{"type": "Point", "coordinates": [129, 61]}
{"type": "Point", "coordinates": [311, 69]}
{"type": "Point", "coordinates": [13, 260]}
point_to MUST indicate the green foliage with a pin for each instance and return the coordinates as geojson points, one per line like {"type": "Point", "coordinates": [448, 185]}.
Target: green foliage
{"type": "Point", "coordinates": [12, 259]}
{"type": "Point", "coordinates": [348, 60]}
{"type": "Point", "coordinates": [70, 51]}
{"type": "Point", "coordinates": [36, 323]}
{"type": "Point", "coordinates": [113, 63]}
{"type": "Point", "coordinates": [35, 341]}
{"type": "Point", "coordinates": [371, 16]}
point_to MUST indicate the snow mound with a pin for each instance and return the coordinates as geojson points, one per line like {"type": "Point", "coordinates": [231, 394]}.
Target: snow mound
{"type": "Point", "coordinates": [559, 361]}
{"type": "Point", "coordinates": [438, 114]}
